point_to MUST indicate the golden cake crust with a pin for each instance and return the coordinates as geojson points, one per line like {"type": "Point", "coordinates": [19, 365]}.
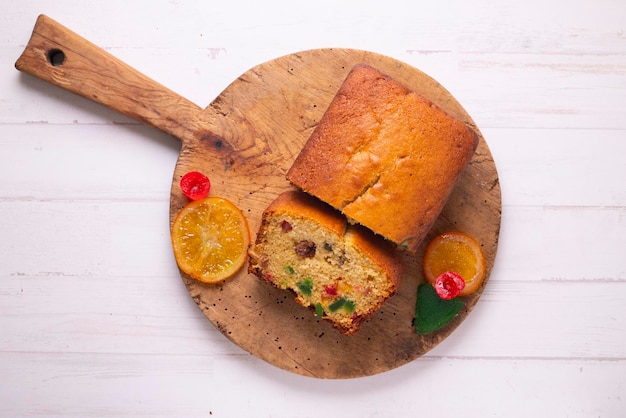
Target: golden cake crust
{"type": "Point", "coordinates": [385, 156]}
{"type": "Point", "coordinates": [308, 207]}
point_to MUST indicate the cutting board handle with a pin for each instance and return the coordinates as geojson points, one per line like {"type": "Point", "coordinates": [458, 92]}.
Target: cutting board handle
{"type": "Point", "coordinates": [63, 58]}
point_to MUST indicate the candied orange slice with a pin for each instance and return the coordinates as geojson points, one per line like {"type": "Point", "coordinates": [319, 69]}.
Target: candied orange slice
{"type": "Point", "coordinates": [210, 238]}
{"type": "Point", "coordinates": [457, 252]}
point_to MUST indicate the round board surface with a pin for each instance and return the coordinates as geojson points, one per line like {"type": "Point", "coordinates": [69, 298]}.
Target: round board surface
{"type": "Point", "coordinates": [259, 125]}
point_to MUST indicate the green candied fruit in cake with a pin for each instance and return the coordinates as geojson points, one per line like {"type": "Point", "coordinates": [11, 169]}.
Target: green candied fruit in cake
{"type": "Point", "coordinates": [305, 286]}
{"type": "Point", "coordinates": [333, 307]}
{"type": "Point", "coordinates": [344, 303]}
{"type": "Point", "coordinates": [289, 270]}
{"type": "Point", "coordinates": [349, 306]}
{"type": "Point", "coordinates": [319, 310]}
{"type": "Point", "coordinates": [432, 312]}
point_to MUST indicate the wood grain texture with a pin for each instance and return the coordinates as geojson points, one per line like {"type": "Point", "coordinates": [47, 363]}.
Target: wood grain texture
{"type": "Point", "coordinates": [149, 373]}
{"type": "Point", "coordinates": [61, 57]}
{"type": "Point", "coordinates": [245, 141]}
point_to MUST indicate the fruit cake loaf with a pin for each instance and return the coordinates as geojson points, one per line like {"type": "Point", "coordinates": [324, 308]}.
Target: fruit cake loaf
{"type": "Point", "coordinates": [385, 156]}
{"type": "Point", "coordinates": [343, 272]}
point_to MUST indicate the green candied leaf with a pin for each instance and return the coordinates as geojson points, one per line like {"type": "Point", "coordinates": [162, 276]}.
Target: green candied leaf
{"type": "Point", "coordinates": [344, 303]}
{"type": "Point", "coordinates": [432, 312]}
{"type": "Point", "coordinates": [289, 270]}
{"type": "Point", "coordinates": [333, 307]}
{"type": "Point", "coordinates": [319, 310]}
{"type": "Point", "coordinates": [305, 286]}
{"type": "Point", "coordinates": [349, 306]}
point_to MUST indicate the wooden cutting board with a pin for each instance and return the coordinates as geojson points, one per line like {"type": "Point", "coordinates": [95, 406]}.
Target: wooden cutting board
{"type": "Point", "coordinates": [245, 141]}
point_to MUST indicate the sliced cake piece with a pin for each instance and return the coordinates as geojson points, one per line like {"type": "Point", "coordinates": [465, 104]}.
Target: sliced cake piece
{"type": "Point", "coordinates": [342, 272]}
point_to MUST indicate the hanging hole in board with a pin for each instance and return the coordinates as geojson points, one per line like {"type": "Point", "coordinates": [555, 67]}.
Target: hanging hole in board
{"type": "Point", "coordinates": [56, 57]}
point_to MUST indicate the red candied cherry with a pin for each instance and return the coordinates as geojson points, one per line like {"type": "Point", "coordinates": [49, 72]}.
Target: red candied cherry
{"type": "Point", "coordinates": [195, 185]}
{"type": "Point", "coordinates": [285, 226]}
{"type": "Point", "coordinates": [331, 290]}
{"type": "Point", "coordinates": [448, 285]}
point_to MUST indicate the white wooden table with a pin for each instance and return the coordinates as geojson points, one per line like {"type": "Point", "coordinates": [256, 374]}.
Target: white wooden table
{"type": "Point", "coordinates": [95, 321]}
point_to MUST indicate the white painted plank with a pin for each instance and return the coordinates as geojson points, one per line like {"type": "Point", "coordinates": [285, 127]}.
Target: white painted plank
{"type": "Point", "coordinates": [155, 316]}
{"type": "Point", "coordinates": [558, 91]}
{"type": "Point", "coordinates": [131, 238]}
{"type": "Point", "coordinates": [201, 386]}
{"type": "Point", "coordinates": [510, 66]}
{"type": "Point", "coordinates": [559, 167]}
{"type": "Point", "coordinates": [42, 161]}
{"type": "Point", "coordinates": [85, 238]}
{"type": "Point", "coordinates": [544, 320]}
{"type": "Point", "coordinates": [539, 167]}
{"type": "Point", "coordinates": [80, 288]}
{"type": "Point", "coordinates": [562, 243]}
